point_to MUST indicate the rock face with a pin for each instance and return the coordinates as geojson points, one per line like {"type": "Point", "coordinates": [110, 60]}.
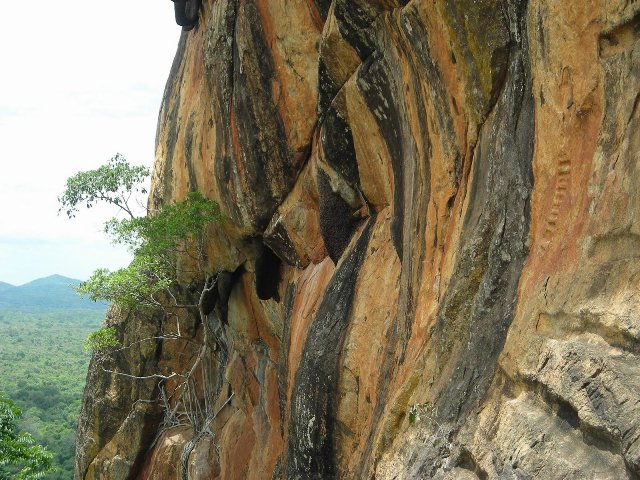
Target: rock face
{"type": "Point", "coordinates": [432, 245]}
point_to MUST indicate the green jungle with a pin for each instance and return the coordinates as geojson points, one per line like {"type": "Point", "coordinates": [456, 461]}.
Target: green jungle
{"type": "Point", "coordinates": [43, 363]}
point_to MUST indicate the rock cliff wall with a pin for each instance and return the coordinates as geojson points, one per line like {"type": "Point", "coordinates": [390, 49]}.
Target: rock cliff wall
{"type": "Point", "coordinates": [432, 244]}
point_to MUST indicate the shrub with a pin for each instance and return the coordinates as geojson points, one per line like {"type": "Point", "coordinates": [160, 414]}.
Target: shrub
{"type": "Point", "coordinates": [102, 339]}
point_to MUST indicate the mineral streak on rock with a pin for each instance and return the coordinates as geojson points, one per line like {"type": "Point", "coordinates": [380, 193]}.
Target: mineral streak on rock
{"type": "Point", "coordinates": [433, 224]}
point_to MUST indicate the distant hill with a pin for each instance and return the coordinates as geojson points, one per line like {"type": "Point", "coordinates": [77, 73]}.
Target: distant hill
{"type": "Point", "coordinates": [49, 293]}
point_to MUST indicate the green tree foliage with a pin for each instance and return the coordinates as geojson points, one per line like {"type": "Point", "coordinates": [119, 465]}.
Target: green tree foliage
{"type": "Point", "coordinates": [21, 458]}
{"type": "Point", "coordinates": [113, 183]}
{"type": "Point", "coordinates": [156, 240]}
{"type": "Point", "coordinates": [102, 339]}
{"type": "Point", "coordinates": [163, 233]}
{"type": "Point", "coordinates": [134, 286]}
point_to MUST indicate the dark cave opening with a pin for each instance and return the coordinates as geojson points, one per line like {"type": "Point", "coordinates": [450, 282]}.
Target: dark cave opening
{"type": "Point", "coordinates": [268, 274]}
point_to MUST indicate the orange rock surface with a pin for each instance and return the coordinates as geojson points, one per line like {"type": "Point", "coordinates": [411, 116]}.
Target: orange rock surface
{"type": "Point", "coordinates": [433, 223]}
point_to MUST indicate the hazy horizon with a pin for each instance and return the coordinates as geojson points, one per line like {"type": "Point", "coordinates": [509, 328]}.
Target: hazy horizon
{"type": "Point", "coordinates": [41, 278]}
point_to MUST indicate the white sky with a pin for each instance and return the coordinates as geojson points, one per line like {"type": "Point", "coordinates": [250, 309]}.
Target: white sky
{"type": "Point", "coordinates": [79, 81]}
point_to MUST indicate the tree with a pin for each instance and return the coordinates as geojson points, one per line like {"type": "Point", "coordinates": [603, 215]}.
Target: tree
{"type": "Point", "coordinates": [158, 242]}
{"type": "Point", "coordinates": [20, 457]}
{"type": "Point", "coordinates": [113, 183]}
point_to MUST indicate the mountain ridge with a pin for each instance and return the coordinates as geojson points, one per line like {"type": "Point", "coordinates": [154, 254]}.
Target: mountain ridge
{"type": "Point", "coordinates": [51, 292]}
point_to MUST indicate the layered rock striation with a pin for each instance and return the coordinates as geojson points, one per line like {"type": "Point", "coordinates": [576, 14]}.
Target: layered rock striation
{"type": "Point", "coordinates": [430, 251]}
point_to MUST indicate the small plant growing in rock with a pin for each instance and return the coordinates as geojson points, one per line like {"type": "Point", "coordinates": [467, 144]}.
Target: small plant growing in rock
{"type": "Point", "coordinates": [418, 410]}
{"type": "Point", "coordinates": [413, 414]}
{"type": "Point", "coordinates": [102, 339]}
{"type": "Point", "coordinates": [436, 434]}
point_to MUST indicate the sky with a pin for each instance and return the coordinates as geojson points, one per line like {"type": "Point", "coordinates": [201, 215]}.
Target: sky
{"type": "Point", "coordinates": [81, 81]}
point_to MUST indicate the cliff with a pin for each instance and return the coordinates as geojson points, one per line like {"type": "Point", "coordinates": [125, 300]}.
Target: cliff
{"type": "Point", "coordinates": [431, 247]}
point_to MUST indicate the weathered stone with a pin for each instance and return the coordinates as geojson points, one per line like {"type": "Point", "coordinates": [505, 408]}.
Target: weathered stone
{"type": "Point", "coordinates": [433, 216]}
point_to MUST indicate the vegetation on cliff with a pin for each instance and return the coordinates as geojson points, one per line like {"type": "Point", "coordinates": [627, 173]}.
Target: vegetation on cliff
{"type": "Point", "coordinates": [168, 247]}
{"type": "Point", "coordinates": [157, 241]}
{"type": "Point", "coordinates": [102, 339]}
